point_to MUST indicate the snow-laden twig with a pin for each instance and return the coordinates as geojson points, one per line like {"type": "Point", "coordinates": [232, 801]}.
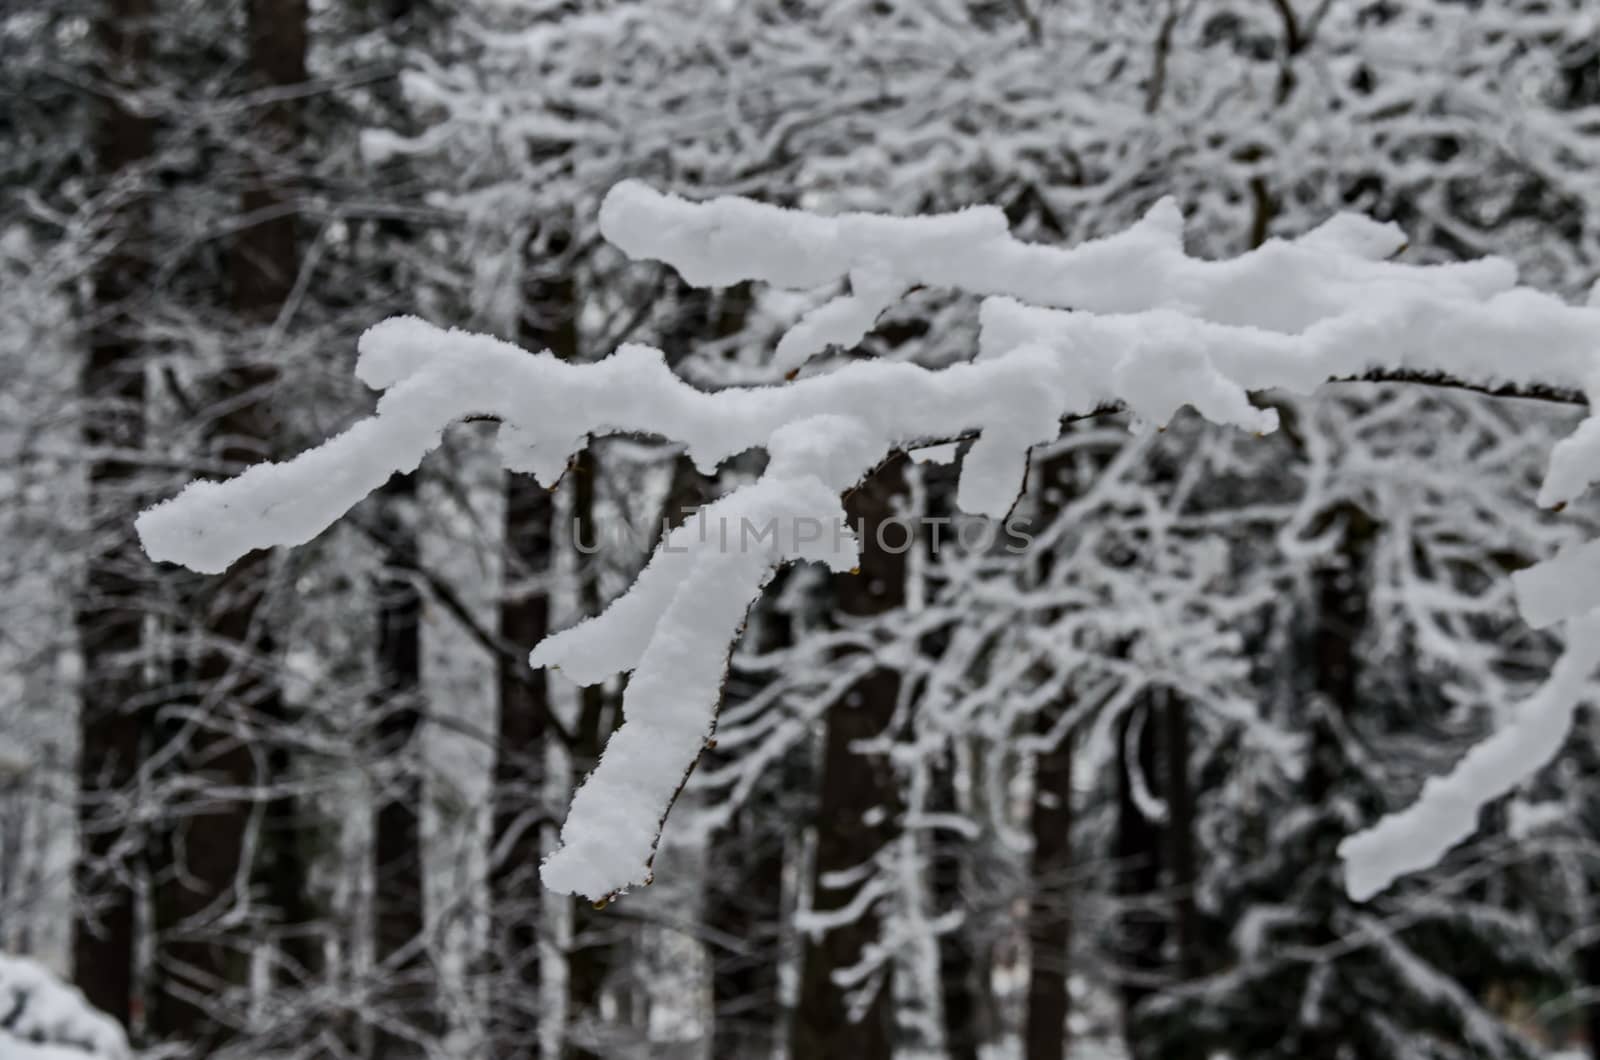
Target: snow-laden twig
{"type": "Point", "coordinates": [1447, 811]}
{"type": "Point", "coordinates": [46, 1018]}
{"type": "Point", "coordinates": [1149, 327]}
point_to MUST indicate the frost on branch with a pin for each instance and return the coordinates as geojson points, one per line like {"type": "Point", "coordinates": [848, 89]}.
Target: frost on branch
{"type": "Point", "coordinates": [1130, 320]}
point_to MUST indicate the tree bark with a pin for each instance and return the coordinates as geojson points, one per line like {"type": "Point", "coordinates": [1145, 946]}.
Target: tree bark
{"type": "Point", "coordinates": [516, 905]}
{"type": "Point", "coordinates": [744, 883]}
{"type": "Point", "coordinates": [593, 952]}
{"type": "Point", "coordinates": [1049, 923]}
{"type": "Point", "coordinates": [1340, 614]}
{"type": "Point", "coordinates": [744, 907]}
{"type": "Point", "coordinates": [959, 988]}
{"type": "Point", "coordinates": [1142, 932]}
{"type": "Point", "coordinates": [1050, 902]}
{"type": "Point", "coordinates": [113, 712]}
{"type": "Point", "coordinates": [1180, 835]}
{"type": "Point", "coordinates": [858, 800]}
{"type": "Point", "coordinates": [744, 894]}
{"type": "Point", "coordinates": [236, 672]}
{"type": "Point", "coordinates": [519, 803]}
{"type": "Point", "coordinates": [966, 999]}
{"type": "Point", "coordinates": [406, 1000]}
{"type": "Point", "coordinates": [1589, 961]}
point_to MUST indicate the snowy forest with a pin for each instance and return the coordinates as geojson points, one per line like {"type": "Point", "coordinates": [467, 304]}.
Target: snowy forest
{"type": "Point", "coordinates": [821, 529]}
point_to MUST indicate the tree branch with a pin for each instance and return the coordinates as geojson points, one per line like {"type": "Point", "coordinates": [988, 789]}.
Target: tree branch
{"type": "Point", "coordinates": [1554, 394]}
{"type": "Point", "coordinates": [514, 655]}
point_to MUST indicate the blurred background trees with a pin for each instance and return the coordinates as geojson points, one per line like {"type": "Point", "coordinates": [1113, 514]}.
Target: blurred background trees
{"type": "Point", "coordinates": [1081, 801]}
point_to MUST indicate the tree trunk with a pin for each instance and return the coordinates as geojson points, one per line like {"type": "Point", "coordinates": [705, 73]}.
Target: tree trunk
{"type": "Point", "coordinates": [406, 998]}
{"type": "Point", "coordinates": [405, 1001]}
{"type": "Point", "coordinates": [858, 800]}
{"type": "Point", "coordinates": [1050, 903]}
{"type": "Point", "coordinates": [1340, 615]}
{"type": "Point", "coordinates": [1589, 961]}
{"type": "Point", "coordinates": [744, 907]}
{"type": "Point", "coordinates": [519, 803]}
{"type": "Point", "coordinates": [202, 951]}
{"type": "Point", "coordinates": [596, 951]}
{"type": "Point", "coordinates": [743, 882]}
{"type": "Point", "coordinates": [1049, 923]}
{"type": "Point", "coordinates": [236, 671]}
{"type": "Point", "coordinates": [265, 258]}
{"type": "Point", "coordinates": [744, 894]}
{"type": "Point", "coordinates": [515, 893]}
{"type": "Point", "coordinates": [1180, 835]}
{"type": "Point", "coordinates": [283, 860]}
{"type": "Point", "coordinates": [1142, 931]}
{"type": "Point", "coordinates": [959, 988]}
{"type": "Point", "coordinates": [108, 616]}
{"type": "Point", "coordinates": [595, 935]}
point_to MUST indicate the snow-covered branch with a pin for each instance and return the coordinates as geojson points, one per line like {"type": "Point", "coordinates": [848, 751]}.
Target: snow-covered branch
{"type": "Point", "coordinates": [1447, 811]}
{"type": "Point", "coordinates": [1131, 319]}
{"type": "Point", "coordinates": [47, 1020]}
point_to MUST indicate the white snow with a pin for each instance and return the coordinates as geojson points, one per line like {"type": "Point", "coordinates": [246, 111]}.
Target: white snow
{"type": "Point", "coordinates": [675, 635]}
{"type": "Point", "coordinates": [48, 1020]}
{"type": "Point", "coordinates": [1128, 319]}
{"type": "Point", "coordinates": [1524, 818]}
{"type": "Point", "coordinates": [1447, 811]}
{"type": "Point", "coordinates": [1566, 586]}
{"type": "Point", "coordinates": [936, 454]}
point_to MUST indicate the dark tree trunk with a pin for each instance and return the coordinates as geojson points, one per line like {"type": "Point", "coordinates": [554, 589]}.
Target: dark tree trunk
{"type": "Point", "coordinates": [1142, 931]}
{"type": "Point", "coordinates": [519, 804]}
{"type": "Point", "coordinates": [744, 893]}
{"type": "Point", "coordinates": [966, 999]}
{"type": "Point", "coordinates": [596, 935]}
{"type": "Point", "coordinates": [854, 784]}
{"type": "Point", "coordinates": [1584, 748]}
{"type": "Point", "coordinates": [959, 989]}
{"type": "Point", "coordinates": [515, 893]}
{"type": "Point", "coordinates": [1049, 922]}
{"type": "Point", "coordinates": [406, 998]}
{"type": "Point", "coordinates": [283, 860]}
{"type": "Point", "coordinates": [744, 882]}
{"type": "Point", "coordinates": [1589, 960]}
{"type": "Point", "coordinates": [744, 907]}
{"type": "Point", "coordinates": [108, 616]}
{"type": "Point", "coordinates": [1340, 615]}
{"type": "Point", "coordinates": [1050, 903]}
{"type": "Point", "coordinates": [1180, 835]}
{"type": "Point", "coordinates": [202, 952]}
{"type": "Point", "coordinates": [236, 672]}
{"type": "Point", "coordinates": [265, 259]}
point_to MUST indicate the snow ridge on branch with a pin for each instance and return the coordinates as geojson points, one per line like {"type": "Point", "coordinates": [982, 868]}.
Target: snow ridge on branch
{"type": "Point", "coordinates": [1130, 318]}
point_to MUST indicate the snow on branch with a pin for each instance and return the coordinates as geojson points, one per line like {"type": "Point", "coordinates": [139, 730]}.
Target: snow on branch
{"type": "Point", "coordinates": [1447, 811]}
{"type": "Point", "coordinates": [1128, 319]}
{"type": "Point", "coordinates": [48, 1020]}
{"type": "Point", "coordinates": [1284, 285]}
